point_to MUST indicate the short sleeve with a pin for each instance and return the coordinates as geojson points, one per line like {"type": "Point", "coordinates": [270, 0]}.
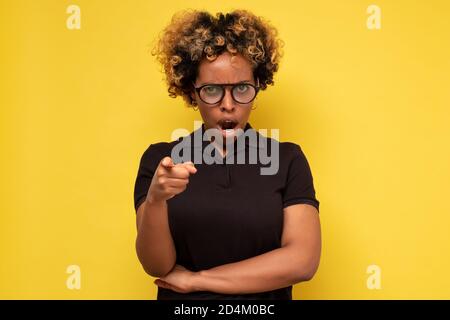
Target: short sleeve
{"type": "Point", "coordinates": [299, 186]}
{"type": "Point", "coordinates": [147, 167]}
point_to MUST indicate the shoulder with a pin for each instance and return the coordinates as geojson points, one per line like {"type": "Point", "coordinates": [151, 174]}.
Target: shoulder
{"type": "Point", "coordinates": [292, 155]}
{"type": "Point", "coordinates": [161, 148]}
{"type": "Point", "coordinates": [157, 148]}
{"type": "Point", "coordinates": [293, 152]}
{"type": "Point", "coordinates": [290, 149]}
{"type": "Point", "coordinates": [287, 150]}
{"type": "Point", "coordinates": [156, 151]}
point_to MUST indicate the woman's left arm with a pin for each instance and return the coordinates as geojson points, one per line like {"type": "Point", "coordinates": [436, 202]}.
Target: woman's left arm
{"type": "Point", "coordinates": [297, 260]}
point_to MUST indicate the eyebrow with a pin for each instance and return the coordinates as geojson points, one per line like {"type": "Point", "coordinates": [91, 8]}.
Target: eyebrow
{"type": "Point", "coordinates": [212, 83]}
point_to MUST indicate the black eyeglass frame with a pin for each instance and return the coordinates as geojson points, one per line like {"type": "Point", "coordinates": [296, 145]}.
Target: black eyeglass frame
{"type": "Point", "coordinates": [223, 85]}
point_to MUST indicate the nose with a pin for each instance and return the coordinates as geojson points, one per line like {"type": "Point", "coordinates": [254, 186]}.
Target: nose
{"type": "Point", "coordinates": [228, 103]}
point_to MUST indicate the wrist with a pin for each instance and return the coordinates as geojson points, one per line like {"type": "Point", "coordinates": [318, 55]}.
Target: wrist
{"type": "Point", "coordinates": [198, 281]}
{"type": "Point", "coordinates": [153, 201]}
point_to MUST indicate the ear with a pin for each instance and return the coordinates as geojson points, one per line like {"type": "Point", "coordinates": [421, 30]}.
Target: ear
{"type": "Point", "coordinates": [193, 96]}
{"type": "Point", "coordinates": [192, 93]}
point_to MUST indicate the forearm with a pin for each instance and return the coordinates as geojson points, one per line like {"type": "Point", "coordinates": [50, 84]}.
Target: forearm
{"type": "Point", "coordinates": [154, 243]}
{"type": "Point", "coordinates": [272, 270]}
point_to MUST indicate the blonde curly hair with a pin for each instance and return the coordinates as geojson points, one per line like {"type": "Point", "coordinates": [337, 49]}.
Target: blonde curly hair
{"type": "Point", "coordinates": [194, 35]}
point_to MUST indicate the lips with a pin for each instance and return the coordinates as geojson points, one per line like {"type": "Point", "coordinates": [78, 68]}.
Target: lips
{"type": "Point", "coordinates": [226, 124]}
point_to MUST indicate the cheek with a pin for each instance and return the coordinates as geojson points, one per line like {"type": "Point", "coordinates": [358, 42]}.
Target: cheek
{"type": "Point", "coordinates": [246, 110]}
{"type": "Point", "coordinates": [206, 113]}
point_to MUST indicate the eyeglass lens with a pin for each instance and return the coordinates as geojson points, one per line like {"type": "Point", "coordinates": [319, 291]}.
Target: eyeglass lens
{"type": "Point", "coordinates": [241, 93]}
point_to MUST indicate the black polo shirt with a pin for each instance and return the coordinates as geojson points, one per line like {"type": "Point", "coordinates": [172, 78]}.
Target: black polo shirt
{"type": "Point", "coordinates": [229, 211]}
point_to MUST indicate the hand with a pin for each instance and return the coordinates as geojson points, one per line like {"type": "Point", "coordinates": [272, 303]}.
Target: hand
{"type": "Point", "coordinates": [179, 279]}
{"type": "Point", "coordinates": [169, 179]}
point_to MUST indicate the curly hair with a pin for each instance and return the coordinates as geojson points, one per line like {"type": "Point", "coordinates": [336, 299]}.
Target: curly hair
{"type": "Point", "coordinates": [194, 35]}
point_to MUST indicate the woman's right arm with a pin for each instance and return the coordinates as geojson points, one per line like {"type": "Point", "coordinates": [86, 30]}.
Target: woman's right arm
{"type": "Point", "coordinates": [154, 243]}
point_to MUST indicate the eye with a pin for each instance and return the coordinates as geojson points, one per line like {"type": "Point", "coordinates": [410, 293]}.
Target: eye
{"type": "Point", "coordinates": [242, 88]}
{"type": "Point", "coordinates": [211, 90]}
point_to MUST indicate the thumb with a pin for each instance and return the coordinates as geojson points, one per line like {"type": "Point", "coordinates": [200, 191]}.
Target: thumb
{"type": "Point", "coordinates": [190, 167]}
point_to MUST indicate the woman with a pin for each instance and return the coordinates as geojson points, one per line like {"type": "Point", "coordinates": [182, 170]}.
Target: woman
{"type": "Point", "coordinates": [224, 230]}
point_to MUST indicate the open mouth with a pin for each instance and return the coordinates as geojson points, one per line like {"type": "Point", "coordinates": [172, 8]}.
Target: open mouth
{"type": "Point", "coordinates": [228, 127]}
{"type": "Point", "coordinates": [227, 124]}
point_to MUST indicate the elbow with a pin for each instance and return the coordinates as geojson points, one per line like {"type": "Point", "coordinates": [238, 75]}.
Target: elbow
{"type": "Point", "coordinates": [155, 273]}
{"type": "Point", "coordinates": [304, 275]}
{"type": "Point", "coordinates": [306, 271]}
{"type": "Point", "coordinates": [155, 267]}
{"type": "Point", "coordinates": [307, 276]}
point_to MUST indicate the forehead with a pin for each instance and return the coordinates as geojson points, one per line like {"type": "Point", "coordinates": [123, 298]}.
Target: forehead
{"type": "Point", "coordinates": [225, 69]}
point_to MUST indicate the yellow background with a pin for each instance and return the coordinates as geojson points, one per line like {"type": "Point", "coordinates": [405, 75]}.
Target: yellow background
{"type": "Point", "coordinates": [370, 108]}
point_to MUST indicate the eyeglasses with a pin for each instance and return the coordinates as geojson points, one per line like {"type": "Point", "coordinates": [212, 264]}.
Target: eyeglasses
{"type": "Point", "coordinates": [242, 93]}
